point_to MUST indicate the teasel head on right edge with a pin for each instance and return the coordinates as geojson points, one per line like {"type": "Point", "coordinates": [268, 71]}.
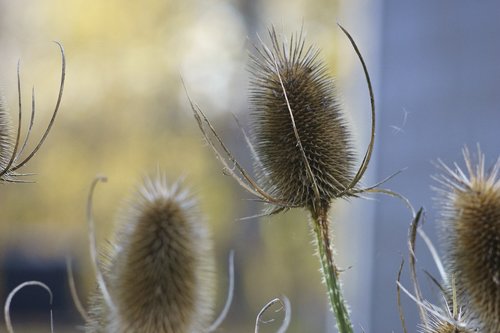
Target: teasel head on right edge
{"type": "Point", "coordinates": [470, 210]}
{"type": "Point", "coordinates": [298, 121]}
{"type": "Point", "coordinates": [160, 274]}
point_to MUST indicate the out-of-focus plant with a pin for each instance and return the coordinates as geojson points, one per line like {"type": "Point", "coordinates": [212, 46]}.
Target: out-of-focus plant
{"type": "Point", "coordinates": [446, 318]}
{"type": "Point", "coordinates": [159, 272]}
{"type": "Point", "coordinates": [470, 223]}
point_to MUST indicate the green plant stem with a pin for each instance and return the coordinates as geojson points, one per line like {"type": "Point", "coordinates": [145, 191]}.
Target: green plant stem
{"type": "Point", "coordinates": [330, 271]}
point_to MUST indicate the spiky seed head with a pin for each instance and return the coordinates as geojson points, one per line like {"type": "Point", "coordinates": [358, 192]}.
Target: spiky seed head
{"type": "Point", "coordinates": [470, 209]}
{"type": "Point", "coordinates": [440, 326]}
{"type": "Point", "coordinates": [5, 135]}
{"type": "Point", "coordinates": [295, 69]}
{"type": "Point", "coordinates": [161, 274]}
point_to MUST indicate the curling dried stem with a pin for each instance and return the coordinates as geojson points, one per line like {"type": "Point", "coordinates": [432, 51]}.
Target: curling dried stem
{"type": "Point", "coordinates": [285, 306]}
{"type": "Point", "coordinates": [10, 297]}
{"type": "Point", "coordinates": [74, 293]}
{"type": "Point", "coordinates": [398, 292]}
{"type": "Point", "coordinates": [229, 299]}
{"type": "Point", "coordinates": [330, 271]}
{"type": "Point", "coordinates": [411, 245]}
{"type": "Point", "coordinates": [369, 150]}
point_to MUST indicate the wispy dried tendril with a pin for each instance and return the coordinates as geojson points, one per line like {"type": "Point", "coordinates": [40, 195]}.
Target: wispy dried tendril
{"type": "Point", "coordinates": [284, 306]}
{"type": "Point", "coordinates": [13, 293]}
{"type": "Point", "coordinates": [12, 151]}
{"type": "Point", "coordinates": [448, 318]}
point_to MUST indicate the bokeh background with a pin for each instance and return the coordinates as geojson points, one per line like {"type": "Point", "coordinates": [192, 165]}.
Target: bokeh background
{"type": "Point", "coordinates": [436, 72]}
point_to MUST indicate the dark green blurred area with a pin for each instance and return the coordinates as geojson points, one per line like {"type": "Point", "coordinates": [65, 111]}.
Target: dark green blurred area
{"type": "Point", "coordinates": [125, 114]}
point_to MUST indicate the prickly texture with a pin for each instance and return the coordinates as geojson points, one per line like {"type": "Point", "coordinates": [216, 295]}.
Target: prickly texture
{"type": "Point", "coordinates": [319, 122]}
{"type": "Point", "coordinates": [440, 326]}
{"type": "Point", "coordinates": [5, 136]}
{"type": "Point", "coordinates": [161, 272]}
{"type": "Point", "coordinates": [470, 209]}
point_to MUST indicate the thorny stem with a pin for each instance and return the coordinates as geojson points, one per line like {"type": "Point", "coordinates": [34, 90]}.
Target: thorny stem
{"type": "Point", "coordinates": [330, 271]}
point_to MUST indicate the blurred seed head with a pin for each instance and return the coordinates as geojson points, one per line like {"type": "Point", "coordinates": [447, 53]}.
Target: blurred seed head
{"type": "Point", "coordinates": [470, 209]}
{"type": "Point", "coordinates": [161, 272]}
{"type": "Point", "coordinates": [292, 67]}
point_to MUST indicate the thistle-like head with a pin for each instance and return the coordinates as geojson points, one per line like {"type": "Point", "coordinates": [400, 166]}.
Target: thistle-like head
{"type": "Point", "coordinates": [300, 134]}
{"type": "Point", "coordinates": [470, 210]}
{"type": "Point", "coordinates": [161, 272]}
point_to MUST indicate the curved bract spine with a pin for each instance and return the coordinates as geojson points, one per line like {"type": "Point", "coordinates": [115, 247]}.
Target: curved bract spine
{"type": "Point", "coordinates": [11, 149]}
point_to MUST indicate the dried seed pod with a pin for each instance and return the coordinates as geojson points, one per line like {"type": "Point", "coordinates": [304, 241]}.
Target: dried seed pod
{"type": "Point", "coordinates": [470, 209]}
{"type": "Point", "coordinates": [297, 118]}
{"type": "Point", "coordinates": [161, 272]}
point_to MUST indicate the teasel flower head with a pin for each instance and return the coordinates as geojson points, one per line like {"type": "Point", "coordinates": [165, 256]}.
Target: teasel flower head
{"type": "Point", "coordinates": [298, 121]}
{"type": "Point", "coordinates": [301, 143]}
{"type": "Point", "coordinates": [470, 218]}
{"type": "Point", "coordinates": [161, 272]}
{"type": "Point", "coordinates": [12, 150]}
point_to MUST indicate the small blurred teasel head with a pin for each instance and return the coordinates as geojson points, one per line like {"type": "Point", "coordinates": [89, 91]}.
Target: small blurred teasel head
{"type": "Point", "coordinates": [470, 209]}
{"type": "Point", "coordinates": [293, 98]}
{"type": "Point", "coordinates": [161, 272]}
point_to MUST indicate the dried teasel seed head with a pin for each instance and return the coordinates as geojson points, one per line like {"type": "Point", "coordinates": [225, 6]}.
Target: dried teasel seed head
{"type": "Point", "coordinates": [289, 79]}
{"type": "Point", "coordinates": [161, 272]}
{"type": "Point", "coordinates": [470, 209]}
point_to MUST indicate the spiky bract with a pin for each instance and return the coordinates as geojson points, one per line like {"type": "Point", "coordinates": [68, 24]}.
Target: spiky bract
{"type": "Point", "coordinates": [444, 327]}
{"type": "Point", "coordinates": [161, 274]}
{"type": "Point", "coordinates": [471, 232]}
{"type": "Point", "coordinates": [295, 70]}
